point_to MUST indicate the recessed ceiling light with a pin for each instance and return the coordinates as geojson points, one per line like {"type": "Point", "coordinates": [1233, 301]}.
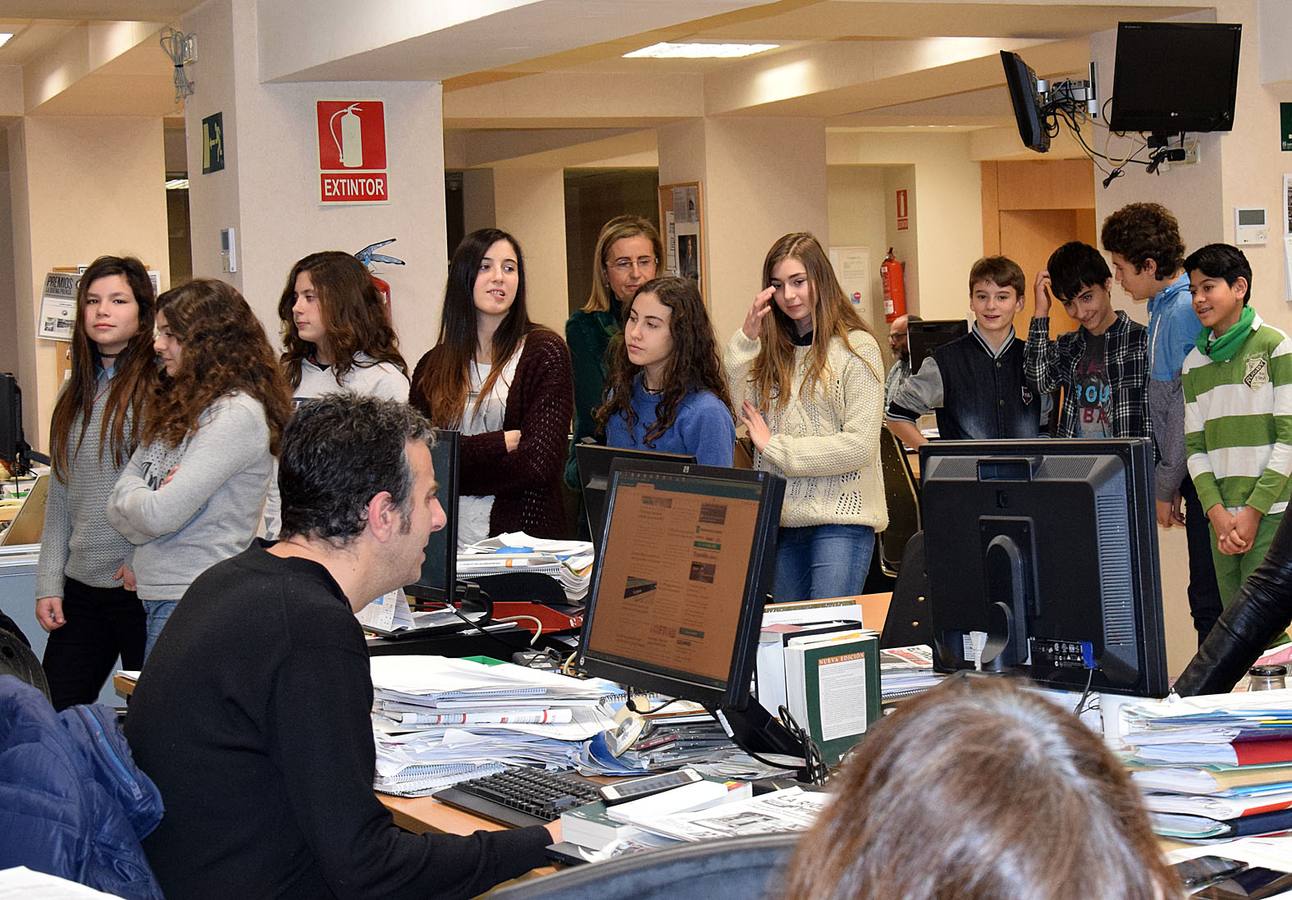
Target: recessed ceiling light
{"type": "Point", "coordinates": [699, 51]}
{"type": "Point", "coordinates": [4, 37]}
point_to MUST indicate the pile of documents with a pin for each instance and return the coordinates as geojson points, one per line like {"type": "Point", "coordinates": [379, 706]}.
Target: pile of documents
{"type": "Point", "coordinates": [696, 812]}
{"type": "Point", "coordinates": [906, 671]}
{"type": "Point", "coordinates": [570, 562]}
{"type": "Point", "coordinates": [437, 721]}
{"type": "Point", "coordinates": [1213, 767]}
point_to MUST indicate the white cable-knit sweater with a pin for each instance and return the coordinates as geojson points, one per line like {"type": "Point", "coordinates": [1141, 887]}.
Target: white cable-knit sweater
{"type": "Point", "coordinates": [825, 445]}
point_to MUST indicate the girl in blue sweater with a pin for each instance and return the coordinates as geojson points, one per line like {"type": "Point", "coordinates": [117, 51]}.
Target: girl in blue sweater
{"type": "Point", "coordinates": [665, 389]}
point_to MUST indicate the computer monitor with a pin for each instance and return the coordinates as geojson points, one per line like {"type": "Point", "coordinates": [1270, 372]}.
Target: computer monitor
{"type": "Point", "coordinates": [594, 462]}
{"type": "Point", "coordinates": [439, 568]}
{"type": "Point", "coordinates": [1170, 77]}
{"type": "Point", "coordinates": [676, 600]}
{"type": "Point", "coordinates": [14, 449]}
{"type": "Point", "coordinates": [922, 338]}
{"type": "Point", "coordinates": [1029, 109]}
{"type": "Point", "coordinates": [1042, 558]}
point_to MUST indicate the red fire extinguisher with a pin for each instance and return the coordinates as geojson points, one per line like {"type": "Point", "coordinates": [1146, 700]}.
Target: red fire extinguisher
{"type": "Point", "coordinates": [892, 275]}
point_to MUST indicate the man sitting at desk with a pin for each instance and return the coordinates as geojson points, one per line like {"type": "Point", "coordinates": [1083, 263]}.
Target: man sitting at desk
{"type": "Point", "coordinates": [252, 714]}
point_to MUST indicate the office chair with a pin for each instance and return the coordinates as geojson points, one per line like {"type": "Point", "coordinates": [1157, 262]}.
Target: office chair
{"type": "Point", "coordinates": [908, 622]}
{"type": "Point", "coordinates": [17, 658]}
{"type": "Point", "coordinates": [744, 867]}
{"type": "Point", "coordinates": [902, 495]}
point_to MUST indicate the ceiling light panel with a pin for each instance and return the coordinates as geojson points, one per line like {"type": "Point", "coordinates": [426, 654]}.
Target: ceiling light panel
{"type": "Point", "coordinates": [699, 51]}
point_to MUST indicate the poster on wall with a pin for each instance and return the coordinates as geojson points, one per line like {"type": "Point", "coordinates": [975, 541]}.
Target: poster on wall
{"type": "Point", "coordinates": [352, 152]}
{"type": "Point", "coordinates": [852, 266]}
{"type": "Point", "coordinates": [58, 306]}
{"type": "Point", "coordinates": [680, 220]}
{"type": "Point", "coordinates": [1287, 237]}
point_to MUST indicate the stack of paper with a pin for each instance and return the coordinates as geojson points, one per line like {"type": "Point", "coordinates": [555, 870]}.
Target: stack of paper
{"type": "Point", "coordinates": [570, 562]}
{"type": "Point", "coordinates": [1213, 767]}
{"type": "Point", "coordinates": [436, 720]}
{"type": "Point", "coordinates": [906, 671]}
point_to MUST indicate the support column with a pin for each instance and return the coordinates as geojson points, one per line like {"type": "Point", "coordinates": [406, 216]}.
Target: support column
{"type": "Point", "coordinates": [66, 212]}
{"type": "Point", "coordinates": [530, 204]}
{"type": "Point", "coordinates": [760, 178]}
{"type": "Point", "coordinates": [268, 190]}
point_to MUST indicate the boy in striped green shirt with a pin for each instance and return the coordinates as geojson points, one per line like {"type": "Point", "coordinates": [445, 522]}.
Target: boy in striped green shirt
{"type": "Point", "coordinates": [1237, 414]}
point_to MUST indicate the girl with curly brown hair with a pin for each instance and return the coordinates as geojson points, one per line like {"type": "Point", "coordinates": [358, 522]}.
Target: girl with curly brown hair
{"type": "Point", "coordinates": [336, 331]}
{"type": "Point", "coordinates": [504, 382]}
{"type": "Point", "coordinates": [86, 599]}
{"type": "Point", "coordinates": [807, 377]}
{"type": "Point", "coordinates": [192, 493]}
{"type": "Point", "coordinates": [666, 390]}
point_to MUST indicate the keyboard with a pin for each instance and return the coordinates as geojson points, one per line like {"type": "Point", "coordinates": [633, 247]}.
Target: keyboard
{"type": "Point", "coordinates": [521, 795]}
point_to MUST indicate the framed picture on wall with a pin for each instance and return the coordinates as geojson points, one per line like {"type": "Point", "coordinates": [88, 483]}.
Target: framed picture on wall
{"type": "Point", "coordinates": [681, 224]}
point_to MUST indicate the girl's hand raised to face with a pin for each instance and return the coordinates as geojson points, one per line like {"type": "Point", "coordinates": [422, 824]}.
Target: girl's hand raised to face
{"type": "Point", "coordinates": [753, 326]}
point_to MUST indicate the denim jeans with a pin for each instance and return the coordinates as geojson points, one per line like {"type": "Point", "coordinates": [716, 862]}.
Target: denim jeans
{"type": "Point", "coordinates": [821, 561]}
{"type": "Point", "coordinates": [157, 611]}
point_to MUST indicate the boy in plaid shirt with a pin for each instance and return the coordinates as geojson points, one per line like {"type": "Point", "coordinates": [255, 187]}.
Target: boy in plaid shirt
{"type": "Point", "coordinates": [1237, 414]}
{"type": "Point", "coordinates": [1102, 366]}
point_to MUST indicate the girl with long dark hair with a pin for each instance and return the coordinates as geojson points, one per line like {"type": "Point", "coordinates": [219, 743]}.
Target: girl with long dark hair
{"type": "Point", "coordinates": [666, 389]}
{"type": "Point", "coordinates": [86, 599]}
{"type": "Point", "coordinates": [192, 493]}
{"type": "Point", "coordinates": [337, 334]}
{"type": "Point", "coordinates": [504, 382]}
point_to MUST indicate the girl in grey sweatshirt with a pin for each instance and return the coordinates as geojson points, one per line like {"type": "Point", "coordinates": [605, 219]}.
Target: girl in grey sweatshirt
{"type": "Point", "coordinates": [191, 495]}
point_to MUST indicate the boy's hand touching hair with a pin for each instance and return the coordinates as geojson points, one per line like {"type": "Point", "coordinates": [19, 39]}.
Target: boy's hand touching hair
{"type": "Point", "coordinates": [1041, 291]}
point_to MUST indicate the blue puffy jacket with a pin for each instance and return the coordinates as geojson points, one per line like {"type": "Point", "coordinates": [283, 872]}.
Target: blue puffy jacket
{"type": "Point", "coordinates": [72, 801]}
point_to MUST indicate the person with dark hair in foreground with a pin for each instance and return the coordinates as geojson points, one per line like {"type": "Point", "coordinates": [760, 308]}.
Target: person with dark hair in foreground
{"type": "Point", "coordinates": [1254, 619]}
{"type": "Point", "coordinates": [252, 714]}
{"type": "Point", "coordinates": [982, 789]}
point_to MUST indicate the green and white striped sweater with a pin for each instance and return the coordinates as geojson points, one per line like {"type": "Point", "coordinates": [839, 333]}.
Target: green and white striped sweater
{"type": "Point", "coordinates": [1238, 423]}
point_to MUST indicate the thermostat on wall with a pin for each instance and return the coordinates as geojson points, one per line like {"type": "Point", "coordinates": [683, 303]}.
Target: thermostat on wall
{"type": "Point", "coordinates": [1249, 226]}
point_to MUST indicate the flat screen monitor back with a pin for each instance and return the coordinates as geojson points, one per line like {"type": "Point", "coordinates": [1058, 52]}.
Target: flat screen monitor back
{"type": "Point", "coordinates": [925, 337]}
{"type": "Point", "coordinates": [439, 568]}
{"type": "Point", "coordinates": [1049, 550]}
{"type": "Point", "coordinates": [11, 436]}
{"type": "Point", "coordinates": [594, 462]}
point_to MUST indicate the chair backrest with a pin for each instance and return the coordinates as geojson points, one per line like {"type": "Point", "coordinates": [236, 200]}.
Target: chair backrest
{"type": "Point", "coordinates": [17, 659]}
{"type": "Point", "coordinates": [903, 502]}
{"type": "Point", "coordinates": [744, 867]}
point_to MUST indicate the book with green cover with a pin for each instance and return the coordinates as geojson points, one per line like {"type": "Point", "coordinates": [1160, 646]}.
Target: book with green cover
{"type": "Point", "coordinates": [832, 684]}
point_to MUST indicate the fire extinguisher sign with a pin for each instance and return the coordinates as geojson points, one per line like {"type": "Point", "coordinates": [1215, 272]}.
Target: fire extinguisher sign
{"type": "Point", "coordinates": [352, 151]}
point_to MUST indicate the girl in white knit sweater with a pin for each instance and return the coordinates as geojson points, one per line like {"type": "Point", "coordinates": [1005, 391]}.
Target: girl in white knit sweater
{"type": "Point", "coordinates": [807, 380]}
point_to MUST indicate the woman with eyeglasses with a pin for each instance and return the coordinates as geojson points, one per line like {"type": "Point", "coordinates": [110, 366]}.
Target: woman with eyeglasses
{"type": "Point", "coordinates": [627, 254]}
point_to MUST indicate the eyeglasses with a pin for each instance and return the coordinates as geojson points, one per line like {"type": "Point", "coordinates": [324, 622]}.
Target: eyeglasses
{"type": "Point", "coordinates": [641, 263]}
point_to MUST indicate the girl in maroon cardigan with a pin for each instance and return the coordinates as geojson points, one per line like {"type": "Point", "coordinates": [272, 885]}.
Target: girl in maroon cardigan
{"type": "Point", "coordinates": [505, 383]}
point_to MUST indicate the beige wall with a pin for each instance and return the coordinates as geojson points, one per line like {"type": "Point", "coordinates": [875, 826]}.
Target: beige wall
{"type": "Point", "coordinates": [761, 178]}
{"type": "Point", "coordinates": [8, 300]}
{"type": "Point", "coordinates": [530, 204]}
{"type": "Point", "coordinates": [67, 213]}
{"type": "Point", "coordinates": [945, 207]}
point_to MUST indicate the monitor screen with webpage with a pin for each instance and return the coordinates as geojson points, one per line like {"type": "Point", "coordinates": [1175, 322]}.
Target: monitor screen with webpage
{"type": "Point", "coordinates": [677, 597]}
{"type": "Point", "coordinates": [1042, 558]}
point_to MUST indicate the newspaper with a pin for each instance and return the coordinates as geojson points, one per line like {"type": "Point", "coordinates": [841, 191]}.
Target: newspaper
{"type": "Point", "coordinates": [792, 809]}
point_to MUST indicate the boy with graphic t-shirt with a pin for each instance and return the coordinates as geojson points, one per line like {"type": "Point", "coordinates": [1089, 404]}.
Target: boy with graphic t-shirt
{"type": "Point", "coordinates": [976, 382]}
{"type": "Point", "coordinates": [1237, 425]}
{"type": "Point", "coordinates": [1102, 366]}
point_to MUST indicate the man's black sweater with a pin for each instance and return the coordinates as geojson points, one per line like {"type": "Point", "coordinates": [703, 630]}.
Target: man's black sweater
{"type": "Point", "coordinates": [252, 717]}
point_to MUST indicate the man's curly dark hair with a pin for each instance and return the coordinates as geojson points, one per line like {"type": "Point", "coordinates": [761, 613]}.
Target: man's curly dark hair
{"type": "Point", "coordinates": [339, 451]}
{"type": "Point", "coordinates": [1143, 231]}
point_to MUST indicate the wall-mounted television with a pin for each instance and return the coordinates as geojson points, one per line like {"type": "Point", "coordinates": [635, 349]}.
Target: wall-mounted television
{"type": "Point", "coordinates": [1172, 77]}
{"type": "Point", "coordinates": [1029, 110]}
